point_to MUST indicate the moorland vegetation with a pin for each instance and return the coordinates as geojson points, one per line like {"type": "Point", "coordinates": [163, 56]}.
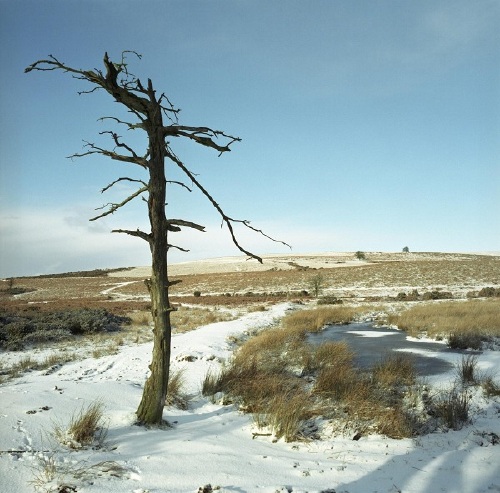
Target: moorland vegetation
{"type": "Point", "coordinates": [287, 385]}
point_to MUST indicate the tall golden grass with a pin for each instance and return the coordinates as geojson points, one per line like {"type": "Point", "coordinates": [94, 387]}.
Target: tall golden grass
{"type": "Point", "coordinates": [440, 319]}
{"type": "Point", "coordinates": [315, 319]}
{"type": "Point", "coordinates": [265, 379]}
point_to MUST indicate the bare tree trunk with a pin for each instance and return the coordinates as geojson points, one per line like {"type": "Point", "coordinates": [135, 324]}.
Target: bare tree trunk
{"type": "Point", "coordinates": [150, 409]}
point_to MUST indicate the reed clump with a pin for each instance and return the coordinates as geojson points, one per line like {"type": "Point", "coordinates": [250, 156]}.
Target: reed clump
{"type": "Point", "coordinates": [314, 320]}
{"type": "Point", "coordinates": [462, 322]}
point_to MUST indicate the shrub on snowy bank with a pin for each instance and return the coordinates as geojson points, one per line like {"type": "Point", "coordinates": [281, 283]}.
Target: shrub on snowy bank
{"type": "Point", "coordinates": [17, 331]}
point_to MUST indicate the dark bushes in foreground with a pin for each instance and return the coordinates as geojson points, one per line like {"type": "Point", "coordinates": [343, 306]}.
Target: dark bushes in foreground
{"type": "Point", "coordinates": [18, 331]}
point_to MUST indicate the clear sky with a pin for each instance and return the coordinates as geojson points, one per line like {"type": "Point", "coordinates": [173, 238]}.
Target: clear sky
{"type": "Point", "coordinates": [365, 125]}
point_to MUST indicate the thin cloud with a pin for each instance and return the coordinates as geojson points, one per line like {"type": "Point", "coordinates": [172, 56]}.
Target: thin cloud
{"type": "Point", "coordinates": [49, 241]}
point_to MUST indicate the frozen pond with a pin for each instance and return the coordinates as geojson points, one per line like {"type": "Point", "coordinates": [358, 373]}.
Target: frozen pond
{"type": "Point", "coordinates": [370, 344]}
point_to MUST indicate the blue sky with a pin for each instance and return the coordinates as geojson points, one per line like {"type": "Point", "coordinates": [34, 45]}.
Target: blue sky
{"type": "Point", "coordinates": [365, 125]}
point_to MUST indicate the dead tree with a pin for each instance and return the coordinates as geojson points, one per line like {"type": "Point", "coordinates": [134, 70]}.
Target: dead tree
{"type": "Point", "coordinates": [148, 110]}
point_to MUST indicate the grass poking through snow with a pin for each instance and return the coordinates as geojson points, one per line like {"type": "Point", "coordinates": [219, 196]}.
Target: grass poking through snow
{"type": "Point", "coordinates": [86, 428]}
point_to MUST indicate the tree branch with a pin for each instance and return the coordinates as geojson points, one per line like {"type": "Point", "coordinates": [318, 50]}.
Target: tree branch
{"type": "Point", "coordinates": [114, 207]}
{"type": "Point", "coordinates": [111, 154]}
{"type": "Point", "coordinates": [201, 135]}
{"type": "Point", "coordinates": [108, 82]}
{"type": "Point", "coordinates": [116, 139]}
{"type": "Point", "coordinates": [225, 218]}
{"type": "Point", "coordinates": [186, 224]}
{"type": "Point", "coordinates": [185, 250]}
{"type": "Point", "coordinates": [140, 234]}
{"type": "Point", "coordinates": [180, 184]}
{"type": "Point", "coordinates": [131, 126]}
{"type": "Point", "coordinates": [126, 178]}
{"type": "Point", "coordinates": [170, 112]}
{"type": "Point", "coordinates": [142, 102]}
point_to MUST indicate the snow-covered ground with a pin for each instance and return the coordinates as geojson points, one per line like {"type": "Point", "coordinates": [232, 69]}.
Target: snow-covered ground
{"type": "Point", "coordinates": [214, 444]}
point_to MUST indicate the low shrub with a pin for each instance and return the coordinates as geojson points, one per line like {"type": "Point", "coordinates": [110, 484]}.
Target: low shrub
{"type": "Point", "coordinates": [18, 290]}
{"type": "Point", "coordinates": [33, 327]}
{"type": "Point", "coordinates": [317, 284]}
{"type": "Point", "coordinates": [360, 255]}
{"type": "Point", "coordinates": [329, 300]}
{"type": "Point", "coordinates": [489, 292]}
{"type": "Point", "coordinates": [413, 296]}
{"type": "Point", "coordinates": [457, 340]}
{"type": "Point", "coordinates": [437, 295]}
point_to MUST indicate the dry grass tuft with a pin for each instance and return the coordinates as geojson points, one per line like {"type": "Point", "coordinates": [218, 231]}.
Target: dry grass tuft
{"type": "Point", "coordinates": [261, 379]}
{"type": "Point", "coordinates": [57, 475]}
{"type": "Point", "coordinates": [286, 413]}
{"type": "Point", "coordinates": [211, 384]}
{"type": "Point", "coordinates": [336, 376]}
{"type": "Point", "coordinates": [86, 428]}
{"type": "Point", "coordinates": [395, 370]}
{"type": "Point", "coordinates": [467, 370]}
{"type": "Point", "coordinates": [453, 406]}
{"type": "Point", "coordinates": [184, 318]}
{"type": "Point", "coordinates": [396, 422]}
{"type": "Point", "coordinates": [176, 395]}
{"type": "Point", "coordinates": [490, 386]}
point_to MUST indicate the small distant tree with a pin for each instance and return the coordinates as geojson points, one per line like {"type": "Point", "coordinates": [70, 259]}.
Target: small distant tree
{"type": "Point", "coordinates": [317, 284]}
{"type": "Point", "coordinates": [360, 255]}
{"type": "Point", "coordinates": [148, 109]}
{"type": "Point", "coordinates": [406, 250]}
